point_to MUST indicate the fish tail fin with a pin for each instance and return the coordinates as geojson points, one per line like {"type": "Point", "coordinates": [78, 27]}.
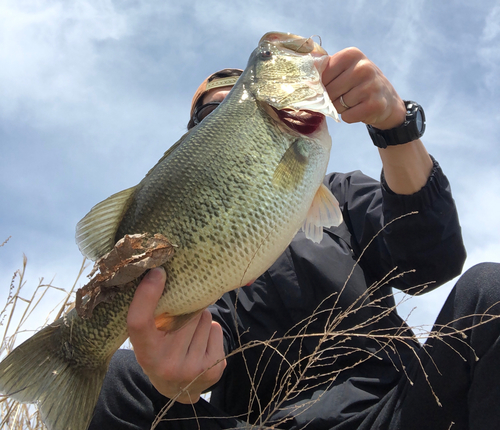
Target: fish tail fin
{"type": "Point", "coordinates": [40, 370]}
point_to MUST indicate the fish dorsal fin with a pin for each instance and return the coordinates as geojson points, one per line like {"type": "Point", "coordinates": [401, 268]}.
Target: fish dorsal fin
{"type": "Point", "coordinates": [324, 212]}
{"type": "Point", "coordinates": [95, 233]}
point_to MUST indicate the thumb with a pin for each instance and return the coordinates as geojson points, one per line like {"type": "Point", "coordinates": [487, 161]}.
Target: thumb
{"type": "Point", "coordinates": [142, 308]}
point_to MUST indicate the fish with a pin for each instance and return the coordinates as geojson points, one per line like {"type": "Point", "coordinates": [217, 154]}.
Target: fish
{"type": "Point", "coordinates": [230, 196]}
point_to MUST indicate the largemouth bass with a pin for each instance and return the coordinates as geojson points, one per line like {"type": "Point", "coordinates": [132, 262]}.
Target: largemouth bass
{"type": "Point", "coordinates": [230, 195]}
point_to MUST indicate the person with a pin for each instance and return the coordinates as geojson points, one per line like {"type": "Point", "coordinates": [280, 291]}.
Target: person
{"type": "Point", "coordinates": [316, 341]}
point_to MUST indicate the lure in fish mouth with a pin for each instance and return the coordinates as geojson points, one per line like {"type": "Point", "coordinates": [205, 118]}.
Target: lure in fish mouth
{"type": "Point", "coordinates": [230, 195]}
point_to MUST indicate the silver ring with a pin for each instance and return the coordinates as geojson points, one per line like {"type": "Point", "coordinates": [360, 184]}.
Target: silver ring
{"type": "Point", "coordinates": [344, 104]}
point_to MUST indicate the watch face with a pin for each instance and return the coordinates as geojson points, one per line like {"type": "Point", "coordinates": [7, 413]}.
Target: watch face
{"type": "Point", "coordinates": [420, 121]}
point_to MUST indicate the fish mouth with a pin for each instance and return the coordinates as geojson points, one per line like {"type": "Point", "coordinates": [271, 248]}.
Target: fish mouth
{"type": "Point", "coordinates": [294, 43]}
{"type": "Point", "coordinates": [304, 122]}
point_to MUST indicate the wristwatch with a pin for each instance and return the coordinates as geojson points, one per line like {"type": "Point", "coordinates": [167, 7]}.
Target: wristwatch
{"type": "Point", "coordinates": [412, 129]}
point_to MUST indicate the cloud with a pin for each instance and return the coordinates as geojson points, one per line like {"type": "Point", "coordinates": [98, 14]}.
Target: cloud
{"type": "Point", "coordinates": [49, 49]}
{"type": "Point", "coordinates": [93, 93]}
{"type": "Point", "coordinates": [489, 49]}
{"type": "Point", "coordinates": [479, 202]}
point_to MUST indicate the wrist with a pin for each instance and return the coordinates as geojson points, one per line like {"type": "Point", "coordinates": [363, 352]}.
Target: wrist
{"type": "Point", "coordinates": [395, 119]}
{"type": "Point", "coordinates": [406, 168]}
{"type": "Point", "coordinates": [411, 129]}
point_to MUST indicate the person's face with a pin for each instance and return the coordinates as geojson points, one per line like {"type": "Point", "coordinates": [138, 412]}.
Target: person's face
{"type": "Point", "coordinates": [209, 102]}
{"type": "Point", "coordinates": [216, 94]}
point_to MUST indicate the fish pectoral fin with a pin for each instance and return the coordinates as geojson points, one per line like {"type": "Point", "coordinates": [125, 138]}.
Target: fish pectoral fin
{"type": "Point", "coordinates": [170, 323]}
{"type": "Point", "coordinates": [291, 168]}
{"type": "Point", "coordinates": [324, 212]}
{"type": "Point", "coordinates": [95, 233]}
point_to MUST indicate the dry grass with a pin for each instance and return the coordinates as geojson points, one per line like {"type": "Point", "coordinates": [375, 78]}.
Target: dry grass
{"type": "Point", "coordinates": [17, 315]}
{"type": "Point", "coordinates": [16, 318]}
{"type": "Point", "coordinates": [295, 375]}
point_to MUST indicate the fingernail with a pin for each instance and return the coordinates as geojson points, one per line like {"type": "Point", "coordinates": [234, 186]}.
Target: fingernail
{"type": "Point", "coordinates": [156, 275]}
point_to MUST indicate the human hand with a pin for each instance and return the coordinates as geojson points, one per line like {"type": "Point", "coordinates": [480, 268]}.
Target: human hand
{"type": "Point", "coordinates": [173, 360]}
{"type": "Point", "coordinates": [364, 88]}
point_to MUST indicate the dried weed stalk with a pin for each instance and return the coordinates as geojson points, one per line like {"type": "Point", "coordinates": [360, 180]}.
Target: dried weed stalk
{"type": "Point", "coordinates": [294, 375]}
{"type": "Point", "coordinates": [15, 316]}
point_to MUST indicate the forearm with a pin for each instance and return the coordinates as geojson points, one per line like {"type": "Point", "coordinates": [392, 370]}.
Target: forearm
{"type": "Point", "coordinates": [420, 232]}
{"type": "Point", "coordinates": [429, 241]}
{"type": "Point", "coordinates": [406, 167]}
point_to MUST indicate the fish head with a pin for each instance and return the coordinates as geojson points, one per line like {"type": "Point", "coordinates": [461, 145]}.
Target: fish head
{"type": "Point", "coordinates": [284, 72]}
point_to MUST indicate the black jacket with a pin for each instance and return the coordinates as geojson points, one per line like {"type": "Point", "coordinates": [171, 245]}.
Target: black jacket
{"type": "Point", "coordinates": [319, 327]}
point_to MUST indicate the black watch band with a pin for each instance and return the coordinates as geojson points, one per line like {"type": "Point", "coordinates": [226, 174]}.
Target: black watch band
{"type": "Point", "coordinates": [412, 129]}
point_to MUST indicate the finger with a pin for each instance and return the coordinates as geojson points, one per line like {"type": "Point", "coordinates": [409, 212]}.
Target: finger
{"type": "Point", "coordinates": [198, 346]}
{"type": "Point", "coordinates": [337, 76]}
{"type": "Point", "coordinates": [342, 87]}
{"type": "Point", "coordinates": [140, 318]}
{"type": "Point", "coordinates": [182, 340]}
{"type": "Point", "coordinates": [338, 63]}
{"type": "Point", "coordinates": [344, 103]}
{"type": "Point", "coordinates": [355, 100]}
{"type": "Point", "coordinates": [215, 356]}
{"type": "Point", "coordinates": [215, 345]}
{"type": "Point", "coordinates": [354, 85]}
{"type": "Point", "coordinates": [353, 77]}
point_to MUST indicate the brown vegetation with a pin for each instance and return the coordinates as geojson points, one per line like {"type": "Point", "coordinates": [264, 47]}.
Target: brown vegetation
{"type": "Point", "coordinates": [16, 318]}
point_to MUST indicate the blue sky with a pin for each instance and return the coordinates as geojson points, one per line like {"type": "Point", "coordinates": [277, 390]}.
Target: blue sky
{"type": "Point", "coordinates": [93, 92]}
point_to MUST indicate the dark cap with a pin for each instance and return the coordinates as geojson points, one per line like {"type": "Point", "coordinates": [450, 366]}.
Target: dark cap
{"type": "Point", "coordinates": [222, 78]}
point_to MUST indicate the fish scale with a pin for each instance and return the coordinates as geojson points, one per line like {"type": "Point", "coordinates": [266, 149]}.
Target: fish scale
{"type": "Point", "coordinates": [213, 212]}
{"type": "Point", "coordinates": [230, 195]}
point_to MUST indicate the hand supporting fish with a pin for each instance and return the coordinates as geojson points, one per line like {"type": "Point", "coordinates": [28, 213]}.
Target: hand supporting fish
{"type": "Point", "coordinates": [182, 364]}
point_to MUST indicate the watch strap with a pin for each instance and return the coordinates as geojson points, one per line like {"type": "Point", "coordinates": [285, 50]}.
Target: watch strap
{"type": "Point", "coordinates": [412, 128]}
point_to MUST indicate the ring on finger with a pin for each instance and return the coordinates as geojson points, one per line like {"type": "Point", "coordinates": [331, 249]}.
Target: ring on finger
{"type": "Point", "coordinates": [343, 103]}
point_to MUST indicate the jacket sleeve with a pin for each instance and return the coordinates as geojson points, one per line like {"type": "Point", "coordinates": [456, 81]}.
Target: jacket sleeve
{"type": "Point", "coordinates": [415, 236]}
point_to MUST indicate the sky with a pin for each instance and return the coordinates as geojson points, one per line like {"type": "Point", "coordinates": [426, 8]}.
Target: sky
{"type": "Point", "coordinates": [93, 92]}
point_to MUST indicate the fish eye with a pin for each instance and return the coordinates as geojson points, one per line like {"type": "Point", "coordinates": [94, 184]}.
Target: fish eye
{"type": "Point", "coordinates": [266, 55]}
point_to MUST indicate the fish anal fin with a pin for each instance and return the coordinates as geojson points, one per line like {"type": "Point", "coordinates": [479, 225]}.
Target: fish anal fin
{"type": "Point", "coordinates": [324, 212]}
{"type": "Point", "coordinates": [171, 323]}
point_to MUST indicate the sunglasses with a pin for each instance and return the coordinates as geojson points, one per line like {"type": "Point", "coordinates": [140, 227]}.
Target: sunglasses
{"type": "Point", "coordinates": [201, 112]}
